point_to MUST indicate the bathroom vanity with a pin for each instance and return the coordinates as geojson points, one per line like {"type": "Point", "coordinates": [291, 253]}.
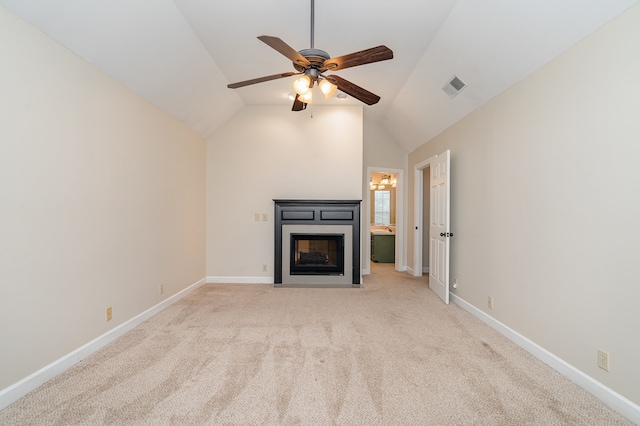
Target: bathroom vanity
{"type": "Point", "coordinates": [383, 244]}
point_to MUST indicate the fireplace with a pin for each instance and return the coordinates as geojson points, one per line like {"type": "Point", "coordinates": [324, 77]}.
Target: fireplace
{"type": "Point", "coordinates": [317, 243]}
{"type": "Point", "coordinates": [317, 254]}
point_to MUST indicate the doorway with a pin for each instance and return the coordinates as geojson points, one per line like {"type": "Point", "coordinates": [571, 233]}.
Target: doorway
{"type": "Point", "coordinates": [386, 189]}
{"type": "Point", "coordinates": [426, 211]}
{"type": "Point", "coordinates": [422, 191]}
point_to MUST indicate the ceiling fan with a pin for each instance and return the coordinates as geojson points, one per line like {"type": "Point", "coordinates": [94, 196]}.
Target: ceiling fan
{"type": "Point", "coordinates": [312, 63]}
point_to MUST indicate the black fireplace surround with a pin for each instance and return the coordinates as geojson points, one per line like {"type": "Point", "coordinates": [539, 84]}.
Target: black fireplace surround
{"type": "Point", "coordinates": [316, 261]}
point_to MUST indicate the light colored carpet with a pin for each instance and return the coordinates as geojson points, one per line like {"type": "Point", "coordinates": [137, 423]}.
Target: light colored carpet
{"type": "Point", "coordinates": [390, 353]}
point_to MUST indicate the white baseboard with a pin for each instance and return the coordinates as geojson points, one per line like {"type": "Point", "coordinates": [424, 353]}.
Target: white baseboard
{"type": "Point", "coordinates": [425, 270]}
{"type": "Point", "coordinates": [48, 372]}
{"type": "Point", "coordinates": [239, 280]}
{"type": "Point", "coordinates": [608, 396]}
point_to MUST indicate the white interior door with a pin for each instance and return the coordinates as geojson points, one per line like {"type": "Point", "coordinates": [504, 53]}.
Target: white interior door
{"type": "Point", "coordinates": [439, 227]}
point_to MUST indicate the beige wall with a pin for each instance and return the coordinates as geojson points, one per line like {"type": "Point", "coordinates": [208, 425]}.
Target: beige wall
{"type": "Point", "coordinates": [102, 201]}
{"type": "Point", "coordinates": [265, 153]}
{"type": "Point", "coordinates": [545, 205]}
{"type": "Point", "coordinates": [382, 152]}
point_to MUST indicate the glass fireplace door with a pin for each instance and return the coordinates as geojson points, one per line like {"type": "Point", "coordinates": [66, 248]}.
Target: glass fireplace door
{"type": "Point", "coordinates": [317, 254]}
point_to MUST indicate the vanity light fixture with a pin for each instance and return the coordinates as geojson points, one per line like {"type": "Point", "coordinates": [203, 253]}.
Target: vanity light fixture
{"type": "Point", "coordinates": [386, 179]}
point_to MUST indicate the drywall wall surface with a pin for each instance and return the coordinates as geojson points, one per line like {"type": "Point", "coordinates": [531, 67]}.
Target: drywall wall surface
{"type": "Point", "coordinates": [269, 152]}
{"type": "Point", "coordinates": [382, 153]}
{"type": "Point", "coordinates": [544, 184]}
{"type": "Point", "coordinates": [380, 149]}
{"type": "Point", "coordinates": [103, 201]}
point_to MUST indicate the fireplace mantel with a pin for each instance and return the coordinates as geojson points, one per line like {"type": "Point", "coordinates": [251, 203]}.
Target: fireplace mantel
{"type": "Point", "coordinates": [317, 214]}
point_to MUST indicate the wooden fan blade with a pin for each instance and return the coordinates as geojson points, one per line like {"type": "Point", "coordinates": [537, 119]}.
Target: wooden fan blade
{"type": "Point", "coordinates": [354, 90]}
{"type": "Point", "coordinates": [260, 80]}
{"type": "Point", "coordinates": [375, 54]}
{"type": "Point", "coordinates": [285, 49]}
{"type": "Point", "coordinates": [298, 105]}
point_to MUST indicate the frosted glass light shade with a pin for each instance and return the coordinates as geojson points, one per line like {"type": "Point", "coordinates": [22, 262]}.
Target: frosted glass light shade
{"type": "Point", "coordinates": [327, 88]}
{"type": "Point", "coordinates": [307, 98]}
{"type": "Point", "coordinates": [301, 85]}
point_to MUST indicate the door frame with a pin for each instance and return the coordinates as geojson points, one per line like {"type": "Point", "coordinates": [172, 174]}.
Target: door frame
{"type": "Point", "coordinates": [418, 202]}
{"type": "Point", "coordinates": [400, 263]}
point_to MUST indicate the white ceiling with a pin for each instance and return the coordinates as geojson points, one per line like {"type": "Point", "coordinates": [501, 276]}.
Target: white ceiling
{"type": "Point", "coordinates": [181, 54]}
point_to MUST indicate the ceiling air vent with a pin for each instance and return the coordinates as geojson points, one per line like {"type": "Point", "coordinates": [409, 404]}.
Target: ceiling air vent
{"type": "Point", "coordinates": [454, 86]}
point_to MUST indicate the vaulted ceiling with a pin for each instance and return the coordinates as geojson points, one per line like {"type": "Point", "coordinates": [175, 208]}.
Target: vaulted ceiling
{"type": "Point", "coordinates": [181, 54]}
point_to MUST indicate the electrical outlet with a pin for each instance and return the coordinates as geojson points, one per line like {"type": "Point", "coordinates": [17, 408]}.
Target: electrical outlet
{"type": "Point", "coordinates": [256, 217]}
{"type": "Point", "coordinates": [455, 283]}
{"type": "Point", "coordinates": [109, 313]}
{"type": "Point", "coordinates": [264, 267]}
{"type": "Point", "coordinates": [265, 217]}
{"type": "Point", "coordinates": [490, 302]}
{"type": "Point", "coordinates": [603, 360]}
{"type": "Point", "coordinates": [161, 288]}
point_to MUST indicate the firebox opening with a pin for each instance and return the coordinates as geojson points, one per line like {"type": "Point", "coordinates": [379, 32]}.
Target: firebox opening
{"type": "Point", "coordinates": [317, 254]}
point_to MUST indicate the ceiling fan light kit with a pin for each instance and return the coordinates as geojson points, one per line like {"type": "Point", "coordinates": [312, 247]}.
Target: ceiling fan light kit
{"type": "Point", "coordinates": [327, 88]}
{"type": "Point", "coordinates": [307, 98]}
{"type": "Point", "coordinates": [301, 85]}
{"type": "Point", "coordinates": [312, 63]}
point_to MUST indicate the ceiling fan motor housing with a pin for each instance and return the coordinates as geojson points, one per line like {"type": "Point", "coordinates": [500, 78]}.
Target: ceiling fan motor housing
{"type": "Point", "coordinates": [316, 58]}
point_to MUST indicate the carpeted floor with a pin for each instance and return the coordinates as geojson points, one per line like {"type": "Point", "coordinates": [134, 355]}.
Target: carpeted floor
{"type": "Point", "coordinates": [390, 353]}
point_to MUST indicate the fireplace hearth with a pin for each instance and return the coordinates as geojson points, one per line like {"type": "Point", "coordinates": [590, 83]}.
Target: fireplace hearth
{"type": "Point", "coordinates": [317, 243]}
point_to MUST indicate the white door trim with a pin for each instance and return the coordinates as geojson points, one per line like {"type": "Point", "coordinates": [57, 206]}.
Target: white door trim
{"type": "Point", "coordinates": [417, 215]}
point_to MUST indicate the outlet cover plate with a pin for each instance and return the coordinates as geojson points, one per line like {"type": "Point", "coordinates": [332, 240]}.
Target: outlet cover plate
{"type": "Point", "coordinates": [603, 360]}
